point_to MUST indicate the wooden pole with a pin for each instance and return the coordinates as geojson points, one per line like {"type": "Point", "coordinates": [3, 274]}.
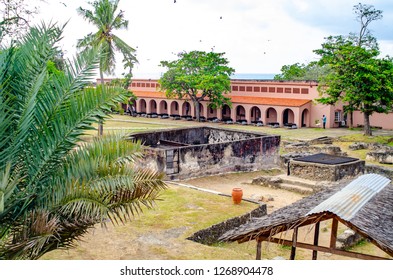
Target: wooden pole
{"type": "Point", "coordinates": [259, 249]}
{"type": "Point", "coordinates": [316, 238]}
{"type": "Point", "coordinates": [294, 240]}
{"type": "Point", "coordinates": [333, 236]}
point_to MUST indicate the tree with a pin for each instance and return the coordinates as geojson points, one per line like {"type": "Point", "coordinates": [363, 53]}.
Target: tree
{"type": "Point", "coordinates": [359, 78]}
{"type": "Point", "coordinates": [365, 14]}
{"type": "Point", "coordinates": [15, 20]}
{"type": "Point", "coordinates": [302, 72]}
{"type": "Point", "coordinates": [105, 18]}
{"type": "Point", "coordinates": [54, 186]}
{"type": "Point", "coordinates": [198, 76]}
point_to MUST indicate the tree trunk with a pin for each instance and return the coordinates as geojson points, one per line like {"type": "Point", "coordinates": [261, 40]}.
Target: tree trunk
{"type": "Point", "coordinates": [197, 112]}
{"type": "Point", "coordinates": [367, 127]}
{"type": "Point", "coordinates": [350, 119]}
{"type": "Point", "coordinates": [100, 125]}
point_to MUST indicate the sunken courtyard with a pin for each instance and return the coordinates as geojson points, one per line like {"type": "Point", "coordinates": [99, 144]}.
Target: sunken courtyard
{"type": "Point", "coordinates": [203, 151]}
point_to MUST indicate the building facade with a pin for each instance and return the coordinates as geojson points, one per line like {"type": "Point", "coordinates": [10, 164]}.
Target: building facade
{"type": "Point", "coordinates": [267, 102]}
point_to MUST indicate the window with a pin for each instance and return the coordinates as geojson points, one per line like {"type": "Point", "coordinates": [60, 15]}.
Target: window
{"type": "Point", "coordinates": [165, 106]}
{"type": "Point", "coordinates": [337, 116]}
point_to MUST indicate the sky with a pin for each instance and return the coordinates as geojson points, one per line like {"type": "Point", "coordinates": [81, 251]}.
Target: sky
{"type": "Point", "coordinates": [257, 36]}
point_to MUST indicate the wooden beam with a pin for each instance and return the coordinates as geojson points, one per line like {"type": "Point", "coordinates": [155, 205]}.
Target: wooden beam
{"type": "Point", "coordinates": [259, 250]}
{"type": "Point", "coordinates": [323, 249]}
{"type": "Point", "coordinates": [333, 235]}
{"type": "Point", "coordinates": [294, 240]}
{"type": "Point", "coordinates": [316, 238]}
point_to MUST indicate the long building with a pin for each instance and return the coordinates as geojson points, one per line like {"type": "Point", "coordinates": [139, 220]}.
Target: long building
{"type": "Point", "coordinates": [267, 102]}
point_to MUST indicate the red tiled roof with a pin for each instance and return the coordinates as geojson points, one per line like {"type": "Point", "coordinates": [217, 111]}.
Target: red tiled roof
{"type": "Point", "coordinates": [288, 102]}
{"type": "Point", "coordinates": [149, 94]}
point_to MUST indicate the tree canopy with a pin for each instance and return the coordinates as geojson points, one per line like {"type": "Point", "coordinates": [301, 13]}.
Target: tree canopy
{"type": "Point", "coordinates": [198, 76]}
{"type": "Point", "coordinates": [302, 72]}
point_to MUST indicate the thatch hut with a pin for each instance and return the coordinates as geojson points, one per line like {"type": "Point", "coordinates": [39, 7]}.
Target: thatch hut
{"type": "Point", "coordinates": [365, 205]}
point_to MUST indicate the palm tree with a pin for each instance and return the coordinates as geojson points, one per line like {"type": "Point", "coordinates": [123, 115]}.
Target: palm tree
{"type": "Point", "coordinates": [106, 20]}
{"type": "Point", "coordinates": [54, 186]}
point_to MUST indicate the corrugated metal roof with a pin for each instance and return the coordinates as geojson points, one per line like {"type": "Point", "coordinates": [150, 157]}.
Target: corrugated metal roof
{"type": "Point", "coordinates": [349, 200]}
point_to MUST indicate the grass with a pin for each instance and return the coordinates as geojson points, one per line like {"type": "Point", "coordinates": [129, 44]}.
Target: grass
{"type": "Point", "coordinates": [180, 208]}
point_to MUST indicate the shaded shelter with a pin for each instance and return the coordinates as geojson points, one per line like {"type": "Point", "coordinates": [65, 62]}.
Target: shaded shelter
{"type": "Point", "coordinates": [365, 205]}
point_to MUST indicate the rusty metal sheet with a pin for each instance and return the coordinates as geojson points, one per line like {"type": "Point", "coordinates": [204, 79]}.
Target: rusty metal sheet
{"type": "Point", "coordinates": [349, 200]}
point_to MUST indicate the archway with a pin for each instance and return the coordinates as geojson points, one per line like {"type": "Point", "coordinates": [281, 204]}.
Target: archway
{"type": "Point", "coordinates": [240, 113]}
{"type": "Point", "coordinates": [142, 106]}
{"type": "Point", "coordinates": [255, 114]}
{"type": "Point", "coordinates": [305, 118]}
{"type": "Point", "coordinates": [174, 108]}
{"type": "Point", "coordinates": [288, 117]}
{"type": "Point", "coordinates": [186, 109]}
{"type": "Point", "coordinates": [271, 115]}
{"type": "Point", "coordinates": [163, 107]}
{"type": "Point", "coordinates": [211, 113]}
{"type": "Point", "coordinates": [226, 112]}
{"type": "Point", "coordinates": [153, 106]}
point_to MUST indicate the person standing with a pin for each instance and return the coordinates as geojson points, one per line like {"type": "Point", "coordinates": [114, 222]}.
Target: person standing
{"type": "Point", "coordinates": [324, 121]}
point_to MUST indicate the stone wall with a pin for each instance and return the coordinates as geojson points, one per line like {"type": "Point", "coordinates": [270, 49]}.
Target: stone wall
{"type": "Point", "coordinates": [324, 172]}
{"type": "Point", "coordinates": [186, 136]}
{"type": "Point", "coordinates": [230, 151]}
{"type": "Point", "coordinates": [381, 170]}
{"type": "Point", "coordinates": [211, 234]}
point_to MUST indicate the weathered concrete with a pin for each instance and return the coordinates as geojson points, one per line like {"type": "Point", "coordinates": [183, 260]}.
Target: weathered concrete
{"type": "Point", "coordinates": [324, 172]}
{"type": "Point", "coordinates": [206, 151]}
{"type": "Point", "coordinates": [381, 170]}
{"type": "Point", "coordinates": [382, 156]}
{"type": "Point", "coordinates": [211, 234]}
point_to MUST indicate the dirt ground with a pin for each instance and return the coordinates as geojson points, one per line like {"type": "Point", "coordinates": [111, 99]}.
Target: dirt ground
{"type": "Point", "coordinates": [274, 198]}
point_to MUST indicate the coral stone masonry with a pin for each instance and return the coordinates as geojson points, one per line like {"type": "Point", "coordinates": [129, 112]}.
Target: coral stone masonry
{"type": "Point", "coordinates": [325, 167]}
{"type": "Point", "coordinates": [202, 151]}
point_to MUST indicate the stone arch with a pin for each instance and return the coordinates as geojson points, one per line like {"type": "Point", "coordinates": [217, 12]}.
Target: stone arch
{"type": "Point", "coordinates": [288, 116]}
{"type": "Point", "coordinates": [305, 118]}
{"type": "Point", "coordinates": [225, 112]}
{"type": "Point", "coordinates": [255, 114]}
{"type": "Point", "coordinates": [163, 107]}
{"type": "Point", "coordinates": [153, 106]}
{"type": "Point", "coordinates": [174, 108]}
{"type": "Point", "coordinates": [271, 115]}
{"type": "Point", "coordinates": [186, 109]}
{"type": "Point", "coordinates": [240, 113]}
{"type": "Point", "coordinates": [142, 106]}
{"type": "Point", "coordinates": [211, 112]}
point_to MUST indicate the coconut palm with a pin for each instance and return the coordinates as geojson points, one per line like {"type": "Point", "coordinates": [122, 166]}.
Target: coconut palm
{"type": "Point", "coordinates": [54, 186]}
{"type": "Point", "coordinates": [105, 18]}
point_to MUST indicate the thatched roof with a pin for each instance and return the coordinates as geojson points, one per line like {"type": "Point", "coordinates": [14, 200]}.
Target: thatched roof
{"type": "Point", "coordinates": [373, 220]}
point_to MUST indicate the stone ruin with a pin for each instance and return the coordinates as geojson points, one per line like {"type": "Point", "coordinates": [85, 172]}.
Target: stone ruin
{"type": "Point", "coordinates": [202, 151]}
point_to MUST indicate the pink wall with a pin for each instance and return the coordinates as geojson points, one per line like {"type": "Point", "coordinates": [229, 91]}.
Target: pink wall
{"type": "Point", "coordinates": [273, 89]}
{"type": "Point", "coordinates": [382, 120]}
